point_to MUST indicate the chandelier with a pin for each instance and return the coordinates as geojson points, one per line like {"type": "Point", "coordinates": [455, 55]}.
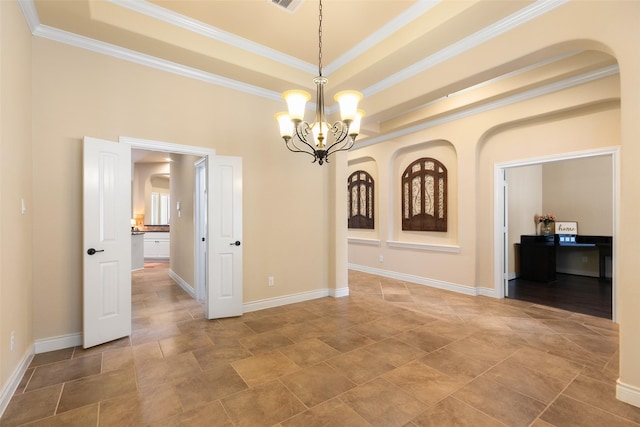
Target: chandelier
{"type": "Point", "coordinates": [301, 137]}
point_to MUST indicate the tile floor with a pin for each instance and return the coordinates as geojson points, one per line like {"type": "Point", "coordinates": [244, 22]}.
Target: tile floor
{"type": "Point", "coordinates": [390, 354]}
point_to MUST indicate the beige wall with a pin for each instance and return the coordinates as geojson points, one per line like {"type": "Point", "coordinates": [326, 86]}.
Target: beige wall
{"type": "Point", "coordinates": [82, 93]}
{"type": "Point", "coordinates": [182, 257]}
{"type": "Point", "coordinates": [581, 190]}
{"type": "Point", "coordinates": [16, 238]}
{"type": "Point", "coordinates": [594, 115]}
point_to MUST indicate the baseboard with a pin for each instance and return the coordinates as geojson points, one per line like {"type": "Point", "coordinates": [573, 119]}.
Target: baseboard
{"type": "Point", "coordinates": [10, 387]}
{"type": "Point", "coordinates": [58, 343]}
{"type": "Point", "coordinates": [284, 300]}
{"type": "Point", "coordinates": [447, 286]}
{"type": "Point", "coordinates": [628, 393]}
{"type": "Point", "coordinates": [183, 284]}
{"type": "Point", "coordinates": [339, 292]}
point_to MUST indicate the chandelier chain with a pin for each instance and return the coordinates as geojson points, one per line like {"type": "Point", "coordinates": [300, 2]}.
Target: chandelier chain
{"type": "Point", "coordinates": [320, 40]}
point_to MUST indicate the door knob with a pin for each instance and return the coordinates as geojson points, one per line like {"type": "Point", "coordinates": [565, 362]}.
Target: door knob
{"type": "Point", "coordinates": [92, 251]}
{"type": "Point", "coordinates": [236, 243]}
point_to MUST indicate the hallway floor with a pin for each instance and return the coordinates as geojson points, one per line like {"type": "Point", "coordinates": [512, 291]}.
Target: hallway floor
{"type": "Point", "coordinates": [390, 354]}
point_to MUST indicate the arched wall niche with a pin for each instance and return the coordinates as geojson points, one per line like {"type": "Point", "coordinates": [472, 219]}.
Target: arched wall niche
{"type": "Point", "coordinates": [369, 165]}
{"type": "Point", "coordinates": [443, 151]}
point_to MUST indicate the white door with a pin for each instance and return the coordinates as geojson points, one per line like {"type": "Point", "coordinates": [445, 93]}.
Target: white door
{"type": "Point", "coordinates": [224, 293]}
{"type": "Point", "coordinates": [200, 228]}
{"type": "Point", "coordinates": [106, 241]}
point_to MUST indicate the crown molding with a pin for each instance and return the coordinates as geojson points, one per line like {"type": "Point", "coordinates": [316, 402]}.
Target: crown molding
{"type": "Point", "coordinates": [509, 100]}
{"type": "Point", "coordinates": [30, 13]}
{"type": "Point", "coordinates": [150, 61]}
{"type": "Point", "coordinates": [500, 27]}
{"type": "Point", "coordinates": [153, 11]}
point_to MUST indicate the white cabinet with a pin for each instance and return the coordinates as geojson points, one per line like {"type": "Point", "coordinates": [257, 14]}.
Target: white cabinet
{"type": "Point", "coordinates": [137, 251]}
{"type": "Point", "coordinates": [156, 245]}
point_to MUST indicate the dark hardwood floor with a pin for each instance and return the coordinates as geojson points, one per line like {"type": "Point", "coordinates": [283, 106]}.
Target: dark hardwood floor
{"type": "Point", "coordinates": [588, 295]}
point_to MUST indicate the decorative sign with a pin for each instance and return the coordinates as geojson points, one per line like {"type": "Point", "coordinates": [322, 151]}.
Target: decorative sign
{"type": "Point", "coordinates": [563, 227]}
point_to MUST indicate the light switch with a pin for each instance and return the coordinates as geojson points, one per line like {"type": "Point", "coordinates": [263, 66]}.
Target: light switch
{"type": "Point", "coordinates": [23, 206]}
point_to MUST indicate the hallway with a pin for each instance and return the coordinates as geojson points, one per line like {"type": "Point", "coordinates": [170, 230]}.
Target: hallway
{"type": "Point", "coordinates": [390, 354]}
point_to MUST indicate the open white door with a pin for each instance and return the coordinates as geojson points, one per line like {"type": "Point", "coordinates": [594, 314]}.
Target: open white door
{"type": "Point", "coordinates": [106, 241]}
{"type": "Point", "coordinates": [224, 291]}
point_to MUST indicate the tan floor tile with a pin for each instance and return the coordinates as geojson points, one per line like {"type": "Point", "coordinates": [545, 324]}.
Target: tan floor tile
{"type": "Point", "coordinates": [500, 402]}
{"type": "Point", "coordinates": [452, 330]}
{"type": "Point", "coordinates": [360, 366]}
{"type": "Point", "coordinates": [309, 352]}
{"type": "Point", "coordinates": [422, 382]}
{"type": "Point", "coordinates": [31, 406]}
{"type": "Point", "coordinates": [491, 361]}
{"type": "Point", "coordinates": [113, 360]}
{"type": "Point", "coordinates": [598, 345]}
{"type": "Point", "coordinates": [601, 395]}
{"type": "Point", "coordinates": [546, 363]}
{"type": "Point", "coordinates": [377, 330]}
{"type": "Point", "coordinates": [346, 340]}
{"type": "Point", "coordinates": [264, 367]}
{"type": "Point", "coordinates": [317, 384]}
{"type": "Point", "coordinates": [526, 381]}
{"type": "Point", "coordinates": [395, 352]}
{"type": "Point", "coordinates": [266, 342]}
{"type": "Point", "coordinates": [476, 346]}
{"type": "Point", "coordinates": [221, 352]}
{"type": "Point", "coordinates": [330, 413]}
{"type": "Point", "coordinates": [183, 343]}
{"type": "Point", "coordinates": [456, 365]}
{"type": "Point", "coordinates": [81, 417]}
{"type": "Point", "coordinates": [122, 411]}
{"type": "Point", "coordinates": [66, 370]}
{"type": "Point", "coordinates": [423, 339]}
{"type": "Point", "coordinates": [266, 324]}
{"type": "Point", "coordinates": [153, 333]}
{"type": "Point", "coordinates": [211, 415]}
{"type": "Point", "coordinates": [167, 369]}
{"type": "Point", "coordinates": [266, 404]}
{"type": "Point", "coordinates": [25, 380]}
{"type": "Point", "coordinates": [96, 388]}
{"type": "Point", "coordinates": [567, 327]}
{"type": "Point", "coordinates": [383, 404]}
{"type": "Point", "coordinates": [202, 388]}
{"type": "Point", "coordinates": [452, 412]}
{"type": "Point", "coordinates": [111, 345]}
{"type": "Point", "coordinates": [566, 411]}
{"type": "Point", "coordinates": [51, 357]}
{"type": "Point", "coordinates": [169, 317]}
{"type": "Point", "coordinates": [145, 352]}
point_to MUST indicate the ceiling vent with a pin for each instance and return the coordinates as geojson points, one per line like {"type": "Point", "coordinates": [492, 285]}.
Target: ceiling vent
{"type": "Point", "coordinates": [288, 5]}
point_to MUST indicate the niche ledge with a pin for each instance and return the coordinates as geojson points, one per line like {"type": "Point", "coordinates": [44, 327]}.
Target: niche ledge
{"type": "Point", "coordinates": [424, 246]}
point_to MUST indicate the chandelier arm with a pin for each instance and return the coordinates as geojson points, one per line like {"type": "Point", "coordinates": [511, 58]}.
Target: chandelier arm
{"type": "Point", "coordinates": [289, 144]}
{"type": "Point", "coordinates": [302, 130]}
{"type": "Point", "coordinates": [348, 145]}
{"type": "Point", "coordinates": [339, 131]}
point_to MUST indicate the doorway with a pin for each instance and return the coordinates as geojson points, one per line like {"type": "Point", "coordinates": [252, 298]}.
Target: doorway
{"type": "Point", "coordinates": [507, 231]}
{"type": "Point", "coordinates": [222, 225]}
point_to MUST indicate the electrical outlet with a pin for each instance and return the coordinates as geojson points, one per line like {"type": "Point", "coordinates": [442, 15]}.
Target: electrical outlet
{"type": "Point", "coordinates": [13, 340]}
{"type": "Point", "coordinates": [380, 258]}
{"type": "Point", "coordinates": [272, 281]}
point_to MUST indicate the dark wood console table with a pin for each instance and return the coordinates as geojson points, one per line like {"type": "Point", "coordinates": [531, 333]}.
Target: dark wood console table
{"type": "Point", "coordinates": [538, 254]}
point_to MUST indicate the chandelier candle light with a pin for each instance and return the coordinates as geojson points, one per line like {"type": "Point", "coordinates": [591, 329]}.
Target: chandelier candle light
{"type": "Point", "coordinates": [297, 133]}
